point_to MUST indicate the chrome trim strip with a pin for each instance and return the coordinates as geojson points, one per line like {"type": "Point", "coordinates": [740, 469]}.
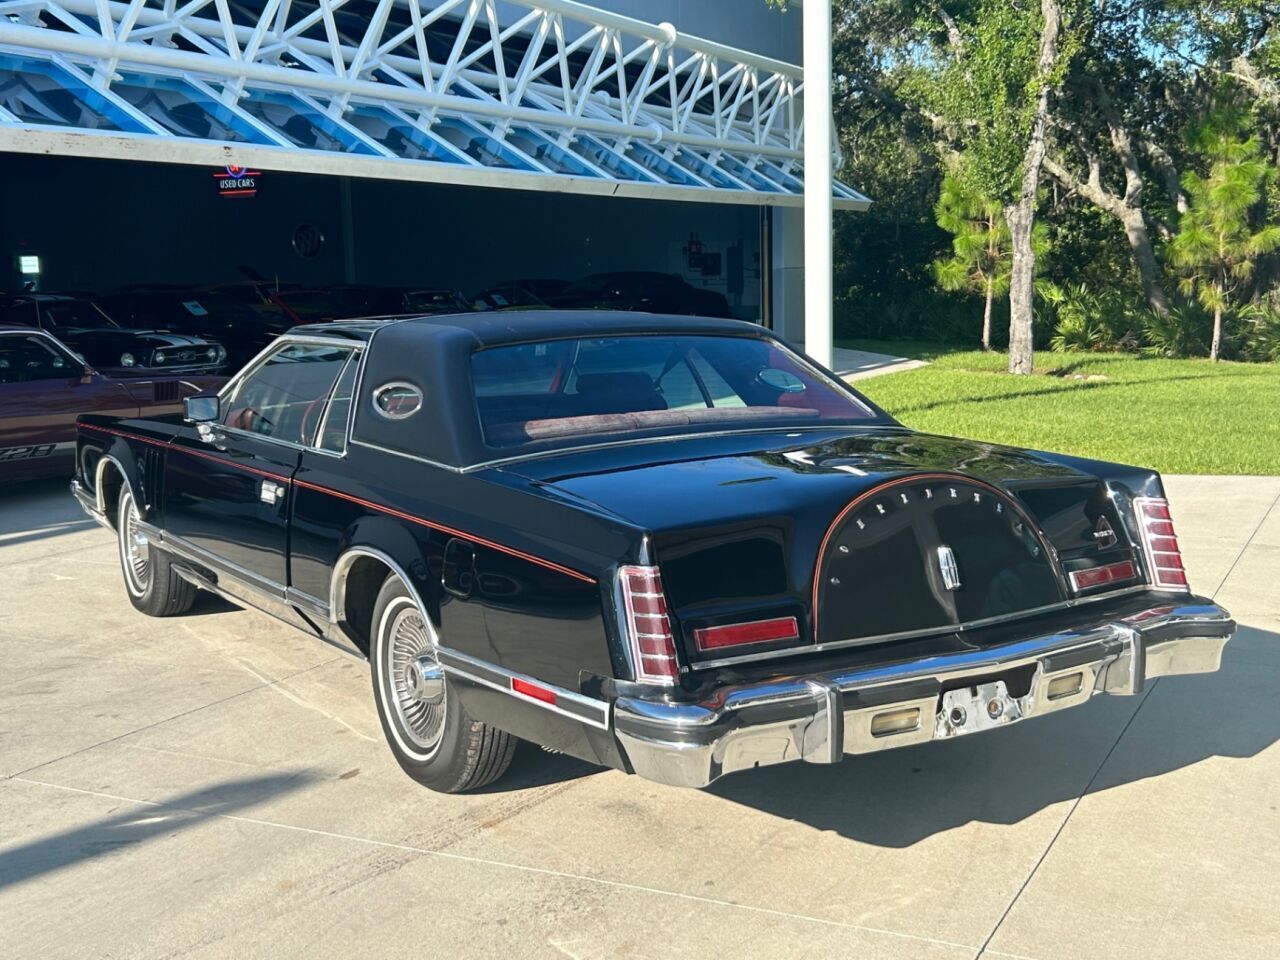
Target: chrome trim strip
{"type": "Point", "coordinates": [338, 581]}
{"type": "Point", "coordinates": [105, 459]}
{"type": "Point", "coordinates": [916, 634]}
{"type": "Point", "coordinates": [569, 704]}
{"type": "Point", "coordinates": [307, 602]}
{"type": "Point", "coordinates": [88, 503]}
{"type": "Point", "coordinates": [406, 456]}
{"type": "Point", "coordinates": [189, 551]}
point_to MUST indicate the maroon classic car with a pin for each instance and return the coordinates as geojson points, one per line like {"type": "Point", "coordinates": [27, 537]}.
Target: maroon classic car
{"type": "Point", "coordinates": [44, 387]}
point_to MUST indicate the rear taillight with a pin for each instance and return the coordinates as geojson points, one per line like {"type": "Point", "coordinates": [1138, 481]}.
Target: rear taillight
{"type": "Point", "coordinates": [744, 634]}
{"type": "Point", "coordinates": [1098, 576]}
{"type": "Point", "coordinates": [1160, 543]}
{"type": "Point", "coordinates": [648, 628]}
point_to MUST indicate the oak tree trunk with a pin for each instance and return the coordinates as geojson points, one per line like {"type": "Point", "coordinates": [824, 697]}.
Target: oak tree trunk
{"type": "Point", "coordinates": [1144, 257]}
{"type": "Point", "coordinates": [1021, 218]}
{"type": "Point", "coordinates": [1021, 215]}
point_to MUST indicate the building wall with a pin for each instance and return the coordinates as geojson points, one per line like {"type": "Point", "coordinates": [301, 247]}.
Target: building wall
{"type": "Point", "coordinates": [102, 224]}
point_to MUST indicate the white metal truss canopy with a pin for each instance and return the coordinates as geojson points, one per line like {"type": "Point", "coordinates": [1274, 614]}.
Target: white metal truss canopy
{"type": "Point", "coordinates": [528, 94]}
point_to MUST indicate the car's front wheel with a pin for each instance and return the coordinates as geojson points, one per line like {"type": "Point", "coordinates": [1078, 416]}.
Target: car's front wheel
{"type": "Point", "coordinates": [433, 738]}
{"type": "Point", "coordinates": [154, 587]}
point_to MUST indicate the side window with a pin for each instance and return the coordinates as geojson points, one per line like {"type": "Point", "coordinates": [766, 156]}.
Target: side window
{"type": "Point", "coordinates": [333, 432]}
{"type": "Point", "coordinates": [30, 359]}
{"type": "Point", "coordinates": [284, 397]}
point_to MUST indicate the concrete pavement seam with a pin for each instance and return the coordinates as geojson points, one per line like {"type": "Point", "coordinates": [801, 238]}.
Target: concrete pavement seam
{"type": "Point", "coordinates": [485, 861]}
{"type": "Point", "coordinates": [1239, 556]}
{"type": "Point", "coordinates": [1063, 825]}
{"type": "Point", "coordinates": [176, 716]}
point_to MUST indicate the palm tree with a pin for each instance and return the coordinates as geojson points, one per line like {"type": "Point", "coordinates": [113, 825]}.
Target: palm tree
{"type": "Point", "coordinates": [1217, 246]}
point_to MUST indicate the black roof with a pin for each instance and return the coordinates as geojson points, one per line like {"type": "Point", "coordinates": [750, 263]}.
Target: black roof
{"type": "Point", "coordinates": [513, 326]}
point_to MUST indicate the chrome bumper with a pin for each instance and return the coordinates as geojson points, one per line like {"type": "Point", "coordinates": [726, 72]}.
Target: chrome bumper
{"type": "Point", "coordinates": [821, 717]}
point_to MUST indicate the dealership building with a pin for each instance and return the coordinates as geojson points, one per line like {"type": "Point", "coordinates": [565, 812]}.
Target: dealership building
{"type": "Point", "coordinates": [433, 143]}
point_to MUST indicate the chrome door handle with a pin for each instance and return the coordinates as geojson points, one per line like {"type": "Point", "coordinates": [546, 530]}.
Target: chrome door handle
{"type": "Point", "coordinates": [271, 492]}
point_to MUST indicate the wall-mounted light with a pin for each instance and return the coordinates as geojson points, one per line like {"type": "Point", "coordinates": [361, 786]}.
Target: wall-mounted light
{"type": "Point", "coordinates": [29, 265]}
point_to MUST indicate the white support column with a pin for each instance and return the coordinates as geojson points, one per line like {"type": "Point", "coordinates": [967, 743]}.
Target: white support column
{"type": "Point", "coordinates": [817, 180]}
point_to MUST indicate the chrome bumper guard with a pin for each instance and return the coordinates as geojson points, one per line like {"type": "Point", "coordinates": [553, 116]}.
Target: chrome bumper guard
{"type": "Point", "coordinates": [821, 717]}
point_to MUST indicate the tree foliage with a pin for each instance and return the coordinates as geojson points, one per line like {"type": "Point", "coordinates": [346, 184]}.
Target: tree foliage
{"type": "Point", "coordinates": [1217, 246]}
{"type": "Point", "coordinates": [939, 98]}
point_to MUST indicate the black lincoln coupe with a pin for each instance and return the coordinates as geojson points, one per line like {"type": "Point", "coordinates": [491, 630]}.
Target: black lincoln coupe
{"type": "Point", "coordinates": [669, 545]}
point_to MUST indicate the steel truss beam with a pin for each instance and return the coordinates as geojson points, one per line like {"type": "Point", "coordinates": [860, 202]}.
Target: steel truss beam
{"type": "Point", "coordinates": [666, 113]}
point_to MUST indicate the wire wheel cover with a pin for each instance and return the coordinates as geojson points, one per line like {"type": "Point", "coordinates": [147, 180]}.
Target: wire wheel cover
{"type": "Point", "coordinates": [407, 640]}
{"type": "Point", "coordinates": [136, 549]}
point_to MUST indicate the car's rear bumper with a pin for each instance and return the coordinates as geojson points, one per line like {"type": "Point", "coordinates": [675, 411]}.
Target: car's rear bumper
{"type": "Point", "coordinates": [821, 717]}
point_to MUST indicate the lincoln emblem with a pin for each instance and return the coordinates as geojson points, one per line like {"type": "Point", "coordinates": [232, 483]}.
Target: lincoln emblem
{"type": "Point", "coordinates": [947, 566]}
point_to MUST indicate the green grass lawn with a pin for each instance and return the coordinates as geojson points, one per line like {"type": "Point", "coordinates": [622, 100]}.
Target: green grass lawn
{"type": "Point", "coordinates": [1178, 416]}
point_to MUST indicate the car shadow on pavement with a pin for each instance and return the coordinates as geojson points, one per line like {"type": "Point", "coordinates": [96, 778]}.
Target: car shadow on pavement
{"type": "Point", "coordinates": [899, 797]}
{"type": "Point", "coordinates": [535, 766]}
{"type": "Point", "coordinates": [139, 823]}
{"type": "Point", "coordinates": [59, 513]}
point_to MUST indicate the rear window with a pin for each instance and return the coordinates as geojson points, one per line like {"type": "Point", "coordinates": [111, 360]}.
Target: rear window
{"type": "Point", "coordinates": [562, 389]}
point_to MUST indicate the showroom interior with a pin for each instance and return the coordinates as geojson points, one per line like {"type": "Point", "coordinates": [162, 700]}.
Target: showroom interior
{"type": "Point", "coordinates": [355, 143]}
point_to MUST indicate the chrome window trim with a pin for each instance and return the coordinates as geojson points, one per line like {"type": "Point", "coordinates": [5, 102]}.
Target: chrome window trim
{"type": "Point", "coordinates": [378, 392]}
{"type": "Point", "coordinates": [355, 357]}
{"type": "Point", "coordinates": [355, 349]}
{"type": "Point", "coordinates": [914, 634]}
{"type": "Point", "coordinates": [410, 456]}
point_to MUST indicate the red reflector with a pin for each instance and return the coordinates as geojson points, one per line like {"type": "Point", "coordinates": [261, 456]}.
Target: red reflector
{"type": "Point", "coordinates": [532, 690]}
{"type": "Point", "coordinates": [1097, 576]}
{"type": "Point", "coordinates": [1168, 561]}
{"type": "Point", "coordinates": [740, 634]}
{"type": "Point", "coordinates": [1164, 544]}
{"type": "Point", "coordinates": [1172, 578]}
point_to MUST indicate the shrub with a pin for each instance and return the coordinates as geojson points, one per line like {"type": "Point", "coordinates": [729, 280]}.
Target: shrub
{"type": "Point", "coordinates": [1184, 331]}
{"type": "Point", "coordinates": [1086, 319]}
{"type": "Point", "coordinates": [1260, 334]}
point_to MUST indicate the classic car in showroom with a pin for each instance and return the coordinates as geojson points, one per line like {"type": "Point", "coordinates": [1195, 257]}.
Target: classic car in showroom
{"type": "Point", "coordinates": [220, 317]}
{"type": "Point", "coordinates": [86, 328]}
{"type": "Point", "coordinates": [44, 386]}
{"type": "Point", "coordinates": [668, 545]}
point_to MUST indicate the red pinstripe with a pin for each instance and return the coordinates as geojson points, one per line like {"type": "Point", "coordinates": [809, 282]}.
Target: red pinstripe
{"type": "Point", "coordinates": [391, 511]}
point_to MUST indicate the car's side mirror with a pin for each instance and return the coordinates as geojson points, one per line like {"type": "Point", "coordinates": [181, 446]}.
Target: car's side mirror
{"type": "Point", "coordinates": [202, 408]}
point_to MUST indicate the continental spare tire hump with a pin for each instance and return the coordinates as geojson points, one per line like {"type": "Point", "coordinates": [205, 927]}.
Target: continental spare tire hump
{"type": "Point", "coordinates": [926, 552]}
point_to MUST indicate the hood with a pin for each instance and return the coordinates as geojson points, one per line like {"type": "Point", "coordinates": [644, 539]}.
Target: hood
{"type": "Point", "coordinates": [156, 339]}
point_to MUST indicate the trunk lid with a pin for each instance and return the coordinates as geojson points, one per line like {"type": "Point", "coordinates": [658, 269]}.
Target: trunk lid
{"type": "Point", "coordinates": [862, 536]}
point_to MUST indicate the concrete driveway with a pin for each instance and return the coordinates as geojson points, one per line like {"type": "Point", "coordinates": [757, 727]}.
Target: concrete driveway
{"type": "Point", "coordinates": [216, 786]}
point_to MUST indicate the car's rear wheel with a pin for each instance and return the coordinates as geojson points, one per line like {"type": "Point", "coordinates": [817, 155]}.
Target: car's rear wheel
{"type": "Point", "coordinates": [433, 738]}
{"type": "Point", "coordinates": [154, 587]}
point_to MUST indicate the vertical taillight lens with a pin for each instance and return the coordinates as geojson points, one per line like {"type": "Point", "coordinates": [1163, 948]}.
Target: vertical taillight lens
{"type": "Point", "coordinates": [648, 628]}
{"type": "Point", "coordinates": [1160, 543]}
